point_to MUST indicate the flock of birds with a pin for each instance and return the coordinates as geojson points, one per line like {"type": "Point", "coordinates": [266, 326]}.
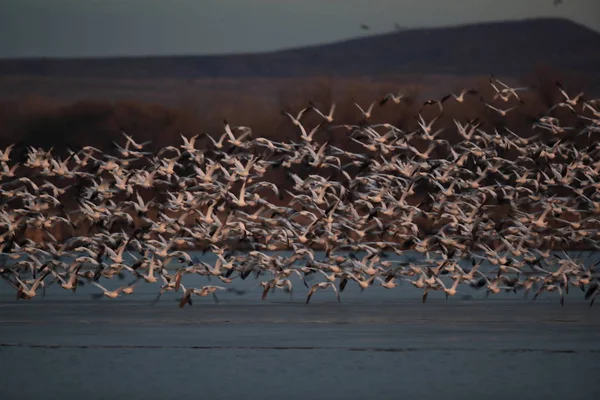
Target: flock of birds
{"type": "Point", "coordinates": [503, 201]}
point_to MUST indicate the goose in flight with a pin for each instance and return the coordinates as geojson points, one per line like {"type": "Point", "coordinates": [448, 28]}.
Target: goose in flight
{"type": "Point", "coordinates": [506, 92]}
{"type": "Point", "coordinates": [202, 292]}
{"type": "Point", "coordinates": [322, 286]}
{"type": "Point", "coordinates": [133, 143]}
{"type": "Point", "coordinates": [551, 288]}
{"type": "Point", "coordinates": [451, 291]}
{"type": "Point", "coordinates": [365, 114]}
{"type": "Point", "coordinates": [23, 291]}
{"type": "Point", "coordinates": [5, 154]}
{"type": "Point", "coordinates": [296, 119]}
{"type": "Point", "coordinates": [329, 117]}
{"type": "Point", "coordinates": [396, 98]}
{"type": "Point", "coordinates": [188, 144]}
{"type": "Point", "coordinates": [501, 112]}
{"type": "Point", "coordinates": [461, 96]}
{"type": "Point", "coordinates": [573, 101]}
{"type": "Point", "coordinates": [111, 294]}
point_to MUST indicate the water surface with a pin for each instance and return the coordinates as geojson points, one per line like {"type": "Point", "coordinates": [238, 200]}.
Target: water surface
{"type": "Point", "coordinates": [380, 343]}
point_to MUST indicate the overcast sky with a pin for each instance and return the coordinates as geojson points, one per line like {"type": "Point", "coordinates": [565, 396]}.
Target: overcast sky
{"type": "Point", "coordinates": [75, 28]}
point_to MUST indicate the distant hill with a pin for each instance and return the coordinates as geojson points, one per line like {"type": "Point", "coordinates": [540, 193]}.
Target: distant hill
{"type": "Point", "coordinates": [504, 48]}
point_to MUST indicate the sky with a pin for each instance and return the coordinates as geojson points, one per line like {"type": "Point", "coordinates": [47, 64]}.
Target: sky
{"type": "Point", "coordinates": [98, 28]}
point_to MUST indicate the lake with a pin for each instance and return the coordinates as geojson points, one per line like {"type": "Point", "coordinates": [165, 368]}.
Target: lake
{"type": "Point", "coordinates": [376, 344]}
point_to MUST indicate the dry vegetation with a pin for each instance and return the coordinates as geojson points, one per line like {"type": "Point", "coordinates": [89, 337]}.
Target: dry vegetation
{"type": "Point", "coordinates": [45, 121]}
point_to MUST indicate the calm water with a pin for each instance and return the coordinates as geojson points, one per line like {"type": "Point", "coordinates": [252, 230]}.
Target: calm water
{"type": "Point", "coordinates": [380, 344]}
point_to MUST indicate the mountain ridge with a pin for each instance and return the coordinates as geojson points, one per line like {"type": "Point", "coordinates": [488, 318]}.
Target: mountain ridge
{"type": "Point", "coordinates": [509, 48]}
